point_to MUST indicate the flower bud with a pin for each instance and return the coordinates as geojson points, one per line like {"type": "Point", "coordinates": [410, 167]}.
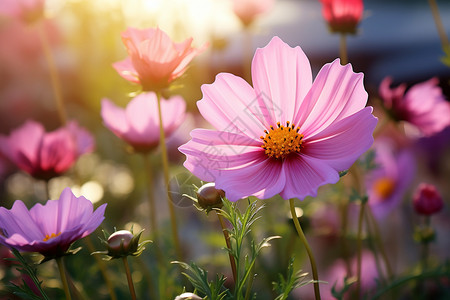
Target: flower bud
{"type": "Point", "coordinates": [188, 296]}
{"type": "Point", "coordinates": [209, 197]}
{"type": "Point", "coordinates": [120, 240]}
{"type": "Point", "coordinates": [427, 200]}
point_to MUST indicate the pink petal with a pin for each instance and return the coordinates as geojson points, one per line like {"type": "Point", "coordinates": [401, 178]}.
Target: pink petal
{"type": "Point", "coordinates": [336, 93]}
{"type": "Point", "coordinates": [344, 141]}
{"type": "Point", "coordinates": [263, 179]}
{"type": "Point", "coordinates": [304, 175]}
{"type": "Point", "coordinates": [114, 117]}
{"type": "Point", "coordinates": [18, 220]}
{"type": "Point", "coordinates": [83, 139]}
{"type": "Point", "coordinates": [210, 152]}
{"type": "Point", "coordinates": [281, 77]}
{"type": "Point", "coordinates": [229, 104]}
{"type": "Point", "coordinates": [58, 151]}
{"type": "Point", "coordinates": [142, 115]}
{"type": "Point", "coordinates": [126, 69]}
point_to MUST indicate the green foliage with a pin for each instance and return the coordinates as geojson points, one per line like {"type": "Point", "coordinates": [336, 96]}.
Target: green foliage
{"type": "Point", "coordinates": [24, 291]}
{"type": "Point", "coordinates": [213, 290]}
{"type": "Point", "coordinates": [292, 281]}
{"type": "Point", "coordinates": [446, 59]}
{"type": "Point", "coordinates": [348, 282]}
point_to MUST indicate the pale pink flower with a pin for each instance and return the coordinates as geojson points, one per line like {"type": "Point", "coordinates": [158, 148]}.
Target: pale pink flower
{"type": "Point", "coordinates": [24, 10]}
{"type": "Point", "coordinates": [154, 59]}
{"type": "Point", "coordinates": [342, 15]}
{"type": "Point", "coordinates": [46, 155]}
{"type": "Point", "coordinates": [423, 105]}
{"type": "Point", "coordinates": [286, 135]}
{"type": "Point", "coordinates": [388, 182]}
{"type": "Point", "coordinates": [138, 123]}
{"type": "Point", "coordinates": [248, 10]}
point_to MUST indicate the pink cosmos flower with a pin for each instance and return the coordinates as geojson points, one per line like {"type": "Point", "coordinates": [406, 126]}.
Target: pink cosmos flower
{"type": "Point", "coordinates": [248, 10]}
{"type": "Point", "coordinates": [138, 123]}
{"type": "Point", "coordinates": [49, 229]}
{"type": "Point", "coordinates": [154, 59]}
{"type": "Point", "coordinates": [423, 105]}
{"type": "Point", "coordinates": [46, 155]}
{"type": "Point", "coordinates": [388, 182]}
{"type": "Point", "coordinates": [24, 10]}
{"type": "Point", "coordinates": [427, 200]}
{"type": "Point", "coordinates": [287, 135]}
{"type": "Point", "coordinates": [342, 15]}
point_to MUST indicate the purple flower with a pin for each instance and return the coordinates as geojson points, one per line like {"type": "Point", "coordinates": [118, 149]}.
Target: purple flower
{"type": "Point", "coordinates": [49, 229]}
{"type": "Point", "coordinates": [46, 155]}
{"type": "Point", "coordinates": [423, 105]}
{"type": "Point", "coordinates": [388, 182]}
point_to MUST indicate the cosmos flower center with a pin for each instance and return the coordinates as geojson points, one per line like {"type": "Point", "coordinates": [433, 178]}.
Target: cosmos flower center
{"type": "Point", "coordinates": [279, 142]}
{"type": "Point", "coordinates": [47, 237]}
{"type": "Point", "coordinates": [384, 187]}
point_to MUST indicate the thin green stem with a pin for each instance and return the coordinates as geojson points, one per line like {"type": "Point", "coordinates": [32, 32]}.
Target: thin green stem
{"type": "Point", "coordinates": [56, 84]}
{"type": "Point", "coordinates": [378, 240]}
{"type": "Point", "coordinates": [129, 279]}
{"type": "Point", "coordinates": [359, 249]}
{"type": "Point", "coordinates": [308, 249]}
{"type": "Point", "coordinates": [228, 242]}
{"type": "Point", "coordinates": [343, 49]}
{"type": "Point", "coordinates": [439, 25]}
{"type": "Point", "coordinates": [102, 267]}
{"type": "Point", "coordinates": [344, 227]}
{"type": "Point", "coordinates": [248, 292]}
{"type": "Point", "coordinates": [62, 273]}
{"type": "Point", "coordinates": [151, 198]}
{"type": "Point", "coordinates": [425, 248]}
{"type": "Point", "coordinates": [165, 161]}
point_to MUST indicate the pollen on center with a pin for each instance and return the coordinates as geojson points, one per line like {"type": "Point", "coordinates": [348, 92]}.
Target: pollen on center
{"type": "Point", "coordinates": [47, 237]}
{"type": "Point", "coordinates": [281, 141]}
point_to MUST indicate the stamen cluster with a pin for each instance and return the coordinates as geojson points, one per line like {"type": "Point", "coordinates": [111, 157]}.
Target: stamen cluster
{"type": "Point", "coordinates": [281, 141]}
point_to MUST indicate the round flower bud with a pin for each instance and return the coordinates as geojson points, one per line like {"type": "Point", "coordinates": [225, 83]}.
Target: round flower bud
{"type": "Point", "coordinates": [188, 296]}
{"type": "Point", "coordinates": [209, 197]}
{"type": "Point", "coordinates": [427, 200]}
{"type": "Point", "coordinates": [120, 241]}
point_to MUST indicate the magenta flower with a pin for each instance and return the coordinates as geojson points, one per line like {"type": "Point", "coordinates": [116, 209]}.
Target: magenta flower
{"type": "Point", "coordinates": [154, 59]}
{"type": "Point", "coordinates": [286, 135]}
{"type": "Point", "coordinates": [46, 155]}
{"type": "Point", "coordinates": [49, 229]}
{"type": "Point", "coordinates": [24, 10]}
{"type": "Point", "coordinates": [388, 182]}
{"type": "Point", "coordinates": [423, 105]}
{"type": "Point", "coordinates": [342, 15]}
{"type": "Point", "coordinates": [427, 200]}
{"type": "Point", "coordinates": [138, 123]}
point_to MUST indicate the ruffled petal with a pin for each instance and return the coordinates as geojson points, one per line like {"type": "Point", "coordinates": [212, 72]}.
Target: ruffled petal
{"type": "Point", "coordinates": [344, 141]}
{"type": "Point", "coordinates": [142, 115]}
{"type": "Point", "coordinates": [18, 220]}
{"type": "Point", "coordinates": [264, 178]}
{"type": "Point", "coordinates": [114, 117]}
{"type": "Point", "coordinates": [281, 77]}
{"type": "Point", "coordinates": [210, 152]}
{"type": "Point", "coordinates": [337, 92]}
{"type": "Point", "coordinates": [304, 175]}
{"type": "Point", "coordinates": [229, 104]}
{"type": "Point", "coordinates": [126, 69]}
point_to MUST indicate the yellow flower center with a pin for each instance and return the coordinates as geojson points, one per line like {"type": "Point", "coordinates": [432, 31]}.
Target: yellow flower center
{"type": "Point", "coordinates": [384, 187]}
{"type": "Point", "coordinates": [47, 237]}
{"type": "Point", "coordinates": [281, 141]}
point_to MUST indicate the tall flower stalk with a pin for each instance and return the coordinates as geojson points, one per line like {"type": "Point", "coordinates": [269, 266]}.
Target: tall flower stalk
{"type": "Point", "coordinates": [303, 239]}
{"type": "Point", "coordinates": [440, 27]}
{"type": "Point", "coordinates": [62, 273]}
{"type": "Point", "coordinates": [129, 278]}
{"type": "Point", "coordinates": [165, 162]}
{"type": "Point", "coordinates": [54, 77]}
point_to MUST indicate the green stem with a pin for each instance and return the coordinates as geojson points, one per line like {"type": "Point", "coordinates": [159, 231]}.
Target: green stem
{"type": "Point", "coordinates": [308, 249]}
{"type": "Point", "coordinates": [439, 25]}
{"type": "Point", "coordinates": [359, 249]}
{"type": "Point", "coordinates": [343, 49]}
{"type": "Point", "coordinates": [344, 228]}
{"type": "Point", "coordinates": [250, 284]}
{"type": "Point", "coordinates": [56, 84]}
{"type": "Point", "coordinates": [62, 273]}
{"type": "Point", "coordinates": [378, 240]}
{"type": "Point", "coordinates": [151, 199]}
{"type": "Point", "coordinates": [102, 268]}
{"type": "Point", "coordinates": [425, 248]}
{"type": "Point", "coordinates": [129, 279]}
{"type": "Point", "coordinates": [227, 240]}
{"type": "Point", "coordinates": [165, 161]}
